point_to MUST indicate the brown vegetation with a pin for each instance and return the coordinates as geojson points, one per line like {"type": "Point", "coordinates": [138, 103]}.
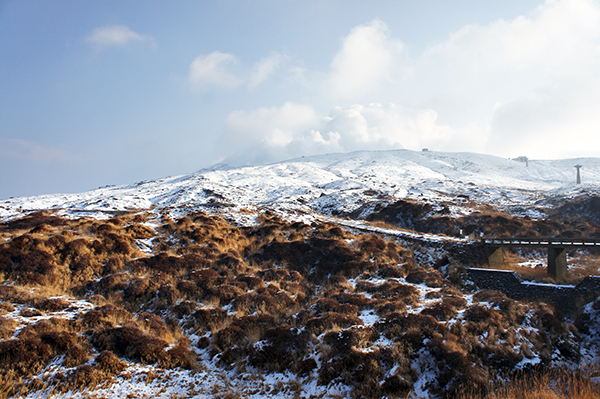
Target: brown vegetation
{"type": "Point", "coordinates": [277, 297]}
{"type": "Point", "coordinates": [540, 383]}
{"type": "Point", "coordinates": [568, 220]}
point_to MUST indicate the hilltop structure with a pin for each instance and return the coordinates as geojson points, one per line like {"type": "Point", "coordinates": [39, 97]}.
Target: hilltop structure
{"type": "Point", "coordinates": [578, 167]}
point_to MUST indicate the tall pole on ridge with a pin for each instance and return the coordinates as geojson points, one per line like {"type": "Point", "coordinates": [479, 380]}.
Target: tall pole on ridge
{"type": "Point", "coordinates": [578, 173]}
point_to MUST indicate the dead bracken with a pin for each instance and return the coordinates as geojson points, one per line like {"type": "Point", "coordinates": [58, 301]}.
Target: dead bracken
{"type": "Point", "coordinates": [83, 305]}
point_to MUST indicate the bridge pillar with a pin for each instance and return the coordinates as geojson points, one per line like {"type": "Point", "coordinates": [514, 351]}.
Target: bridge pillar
{"type": "Point", "coordinates": [557, 262]}
{"type": "Point", "coordinates": [495, 256]}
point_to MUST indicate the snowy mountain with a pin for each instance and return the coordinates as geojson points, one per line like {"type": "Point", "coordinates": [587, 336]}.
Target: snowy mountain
{"type": "Point", "coordinates": [336, 183]}
{"type": "Point", "coordinates": [334, 276]}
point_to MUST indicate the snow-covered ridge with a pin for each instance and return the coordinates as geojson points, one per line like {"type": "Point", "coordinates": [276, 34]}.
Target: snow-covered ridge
{"type": "Point", "coordinates": [336, 181]}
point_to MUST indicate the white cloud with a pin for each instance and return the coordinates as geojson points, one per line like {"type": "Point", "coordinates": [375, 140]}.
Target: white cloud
{"type": "Point", "coordinates": [219, 69]}
{"type": "Point", "coordinates": [278, 133]}
{"type": "Point", "coordinates": [557, 121]}
{"type": "Point", "coordinates": [23, 150]}
{"type": "Point", "coordinates": [482, 65]}
{"type": "Point", "coordinates": [214, 69]}
{"type": "Point", "coordinates": [555, 38]}
{"type": "Point", "coordinates": [368, 58]}
{"type": "Point", "coordinates": [259, 135]}
{"type": "Point", "coordinates": [510, 87]}
{"type": "Point", "coordinates": [115, 35]}
{"type": "Point", "coordinates": [265, 68]}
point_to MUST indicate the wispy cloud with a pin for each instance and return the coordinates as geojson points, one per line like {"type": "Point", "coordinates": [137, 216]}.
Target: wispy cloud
{"type": "Point", "coordinates": [214, 69]}
{"type": "Point", "coordinates": [115, 35]}
{"type": "Point", "coordinates": [23, 150]}
{"type": "Point", "coordinates": [225, 70]}
{"type": "Point", "coordinates": [265, 68]}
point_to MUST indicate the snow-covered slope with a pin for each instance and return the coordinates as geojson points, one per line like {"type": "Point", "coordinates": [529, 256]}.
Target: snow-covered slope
{"type": "Point", "coordinates": [334, 183]}
{"type": "Point", "coordinates": [194, 306]}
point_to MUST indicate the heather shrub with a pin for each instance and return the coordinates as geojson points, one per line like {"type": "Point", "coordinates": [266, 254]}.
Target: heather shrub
{"type": "Point", "coordinates": [140, 290]}
{"type": "Point", "coordinates": [538, 382]}
{"type": "Point", "coordinates": [441, 311]}
{"type": "Point", "coordinates": [53, 304]}
{"type": "Point", "coordinates": [76, 355]}
{"type": "Point", "coordinates": [272, 274]}
{"type": "Point", "coordinates": [111, 284]}
{"type": "Point", "coordinates": [230, 263]}
{"type": "Point", "coordinates": [222, 293]}
{"type": "Point", "coordinates": [330, 320]}
{"type": "Point", "coordinates": [106, 316]}
{"type": "Point", "coordinates": [412, 328]}
{"type": "Point", "coordinates": [33, 220]}
{"type": "Point", "coordinates": [139, 231]}
{"type": "Point", "coordinates": [316, 257]}
{"type": "Point", "coordinates": [356, 299]}
{"type": "Point", "coordinates": [393, 290]}
{"type": "Point", "coordinates": [130, 342]}
{"type": "Point", "coordinates": [206, 319]}
{"type": "Point", "coordinates": [242, 331]}
{"type": "Point", "coordinates": [355, 337]}
{"type": "Point", "coordinates": [392, 272]}
{"type": "Point", "coordinates": [27, 266]}
{"type": "Point", "coordinates": [455, 368]}
{"type": "Point", "coordinates": [6, 307]}
{"type": "Point", "coordinates": [203, 276]}
{"type": "Point", "coordinates": [109, 363]}
{"type": "Point", "coordinates": [231, 343]}
{"type": "Point", "coordinates": [360, 370]}
{"type": "Point", "coordinates": [27, 356]}
{"type": "Point", "coordinates": [252, 282]}
{"type": "Point", "coordinates": [180, 355]}
{"type": "Point", "coordinates": [455, 301]}
{"type": "Point", "coordinates": [155, 325]}
{"type": "Point", "coordinates": [184, 308]}
{"type": "Point", "coordinates": [48, 325]}
{"type": "Point", "coordinates": [386, 307]}
{"type": "Point", "coordinates": [161, 262]}
{"type": "Point", "coordinates": [433, 278]}
{"type": "Point", "coordinates": [283, 348]}
{"type": "Point", "coordinates": [7, 327]}
{"type": "Point", "coordinates": [326, 305]}
{"type": "Point", "coordinates": [28, 312]}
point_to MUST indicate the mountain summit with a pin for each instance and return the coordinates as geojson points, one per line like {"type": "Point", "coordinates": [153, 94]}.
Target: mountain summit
{"type": "Point", "coordinates": [336, 184]}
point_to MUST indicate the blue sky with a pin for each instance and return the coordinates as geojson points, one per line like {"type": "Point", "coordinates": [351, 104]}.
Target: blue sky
{"type": "Point", "coordinates": [112, 92]}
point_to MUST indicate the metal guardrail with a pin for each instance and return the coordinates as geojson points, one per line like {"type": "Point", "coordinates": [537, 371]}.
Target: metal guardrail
{"type": "Point", "coordinates": [541, 242]}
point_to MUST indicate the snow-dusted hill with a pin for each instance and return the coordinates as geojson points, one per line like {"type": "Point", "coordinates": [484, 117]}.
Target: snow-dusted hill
{"type": "Point", "coordinates": [335, 183]}
{"type": "Point", "coordinates": [172, 302]}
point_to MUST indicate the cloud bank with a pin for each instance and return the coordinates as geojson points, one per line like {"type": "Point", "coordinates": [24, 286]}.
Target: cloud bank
{"type": "Point", "coordinates": [526, 86]}
{"type": "Point", "coordinates": [292, 130]}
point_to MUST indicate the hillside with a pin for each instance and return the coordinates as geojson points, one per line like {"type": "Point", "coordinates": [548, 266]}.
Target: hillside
{"type": "Point", "coordinates": [329, 276]}
{"type": "Point", "coordinates": [339, 183]}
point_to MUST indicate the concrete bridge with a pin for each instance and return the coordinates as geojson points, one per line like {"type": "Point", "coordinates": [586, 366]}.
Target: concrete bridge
{"type": "Point", "coordinates": [557, 250]}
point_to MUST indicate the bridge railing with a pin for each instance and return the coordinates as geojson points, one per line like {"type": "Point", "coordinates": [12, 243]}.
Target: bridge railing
{"type": "Point", "coordinates": [541, 242]}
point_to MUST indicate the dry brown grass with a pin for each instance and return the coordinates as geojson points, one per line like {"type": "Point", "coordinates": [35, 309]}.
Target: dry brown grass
{"type": "Point", "coordinates": [586, 265]}
{"type": "Point", "coordinates": [286, 285]}
{"type": "Point", "coordinates": [542, 384]}
{"type": "Point", "coordinates": [7, 327]}
{"type": "Point", "coordinates": [284, 349]}
{"type": "Point", "coordinates": [64, 253]}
